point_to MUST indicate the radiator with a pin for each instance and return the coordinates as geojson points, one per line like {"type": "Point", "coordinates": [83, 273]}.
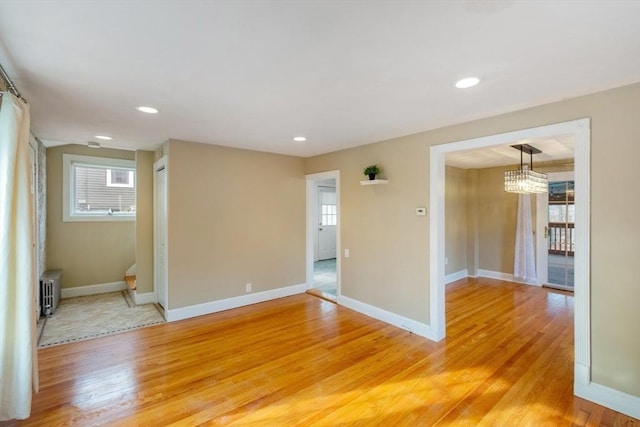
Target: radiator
{"type": "Point", "coordinates": [50, 291]}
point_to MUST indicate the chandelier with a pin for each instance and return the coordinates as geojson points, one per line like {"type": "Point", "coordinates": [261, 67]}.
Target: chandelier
{"type": "Point", "coordinates": [525, 180]}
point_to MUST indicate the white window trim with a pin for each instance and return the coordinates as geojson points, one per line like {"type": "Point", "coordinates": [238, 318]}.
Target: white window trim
{"type": "Point", "coordinates": [67, 190]}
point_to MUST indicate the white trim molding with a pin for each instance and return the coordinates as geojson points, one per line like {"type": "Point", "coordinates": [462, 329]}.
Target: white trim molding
{"type": "Point", "coordinates": [101, 288]}
{"type": "Point", "coordinates": [609, 397]}
{"type": "Point", "coordinates": [394, 319]}
{"type": "Point", "coordinates": [503, 276]}
{"type": "Point", "coordinates": [453, 277]}
{"type": "Point", "coordinates": [181, 313]}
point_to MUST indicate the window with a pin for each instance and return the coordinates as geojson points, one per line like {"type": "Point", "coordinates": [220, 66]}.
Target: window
{"type": "Point", "coordinates": [98, 189]}
{"type": "Point", "coordinates": [329, 215]}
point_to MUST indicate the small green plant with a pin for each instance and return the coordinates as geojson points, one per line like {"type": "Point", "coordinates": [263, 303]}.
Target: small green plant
{"type": "Point", "coordinates": [372, 170]}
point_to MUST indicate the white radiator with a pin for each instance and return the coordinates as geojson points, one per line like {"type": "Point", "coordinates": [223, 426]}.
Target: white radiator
{"type": "Point", "coordinates": [50, 291]}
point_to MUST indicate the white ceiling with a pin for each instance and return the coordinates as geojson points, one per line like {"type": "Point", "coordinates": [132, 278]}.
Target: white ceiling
{"type": "Point", "coordinates": [253, 74]}
{"type": "Point", "coordinates": [558, 148]}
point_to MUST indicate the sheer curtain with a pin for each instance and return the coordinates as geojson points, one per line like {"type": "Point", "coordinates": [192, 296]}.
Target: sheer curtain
{"type": "Point", "coordinates": [18, 354]}
{"type": "Point", "coordinates": [524, 266]}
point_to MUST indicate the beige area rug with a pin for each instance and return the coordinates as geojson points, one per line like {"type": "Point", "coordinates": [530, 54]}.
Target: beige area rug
{"type": "Point", "coordinates": [92, 316]}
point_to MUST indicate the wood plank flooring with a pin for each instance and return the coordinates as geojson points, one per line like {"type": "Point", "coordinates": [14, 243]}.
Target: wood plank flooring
{"type": "Point", "coordinates": [507, 361]}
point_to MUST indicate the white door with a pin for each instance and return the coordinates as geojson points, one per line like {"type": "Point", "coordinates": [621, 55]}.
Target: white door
{"type": "Point", "coordinates": [160, 236]}
{"type": "Point", "coordinates": [327, 220]}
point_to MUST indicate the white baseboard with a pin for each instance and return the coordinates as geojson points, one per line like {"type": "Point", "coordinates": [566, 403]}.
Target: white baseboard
{"type": "Point", "coordinates": [235, 302]}
{"type": "Point", "coordinates": [450, 278]}
{"type": "Point", "coordinates": [609, 397]}
{"type": "Point", "coordinates": [145, 298]}
{"type": "Point", "coordinates": [394, 319]}
{"type": "Point", "coordinates": [101, 288]}
{"type": "Point", "coordinates": [503, 276]}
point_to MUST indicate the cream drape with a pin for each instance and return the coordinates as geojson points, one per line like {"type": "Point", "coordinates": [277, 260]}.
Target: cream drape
{"type": "Point", "coordinates": [18, 354]}
{"type": "Point", "coordinates": [524, 265]}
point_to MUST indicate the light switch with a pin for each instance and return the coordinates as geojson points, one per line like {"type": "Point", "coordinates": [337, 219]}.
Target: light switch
{"type": "Point", "coordinates": [346, 253]}
{"type": "Point", "coordinates": [421, 211]}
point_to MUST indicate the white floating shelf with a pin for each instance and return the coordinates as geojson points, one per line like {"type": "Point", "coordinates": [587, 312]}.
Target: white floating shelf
{"type": "Point", "coordinates": [374, 182]}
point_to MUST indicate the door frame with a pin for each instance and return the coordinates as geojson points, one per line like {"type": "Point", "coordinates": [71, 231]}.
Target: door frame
{"type": "Point", "coordinates": [581, 131]}
{"type": "Point", "coordinates": [542, 204]}
{"type": "Point", "coordinates": [159, 165]}
{"type": "Point", "coordinates": [312, 213]}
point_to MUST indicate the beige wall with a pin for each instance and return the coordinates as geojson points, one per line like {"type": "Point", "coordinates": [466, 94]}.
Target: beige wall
{"type": "Point", "coordinates": [90, 253]}
{"type": "Point", "coordinates": [388, 243]}
{"type": "Point", "coordinates": [473, 226]}
{"type": "Point", "coordinates": [235, 217]}
{"type": "Point", "coordinates": [144, 221]}
{"type": "Point", "coordinates": [391, 244]}
{"type": "Point", "coordinates": [455, 231]}
{"type": "Point", "coordinates": [497, 212]}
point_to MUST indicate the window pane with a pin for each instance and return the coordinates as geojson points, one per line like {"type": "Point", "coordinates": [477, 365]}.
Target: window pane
{"type": "Point", "coordinates": [329, 215]}
{"type": "Point", "coordinates": [92, 194]}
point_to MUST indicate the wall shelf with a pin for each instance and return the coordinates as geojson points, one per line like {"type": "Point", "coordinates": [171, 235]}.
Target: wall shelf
{"type": "Point", "coordinates": [374, 182]}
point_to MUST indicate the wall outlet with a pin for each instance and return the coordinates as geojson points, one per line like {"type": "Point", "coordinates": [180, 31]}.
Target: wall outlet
{"type": "Point", "coordinates": [248, 288]}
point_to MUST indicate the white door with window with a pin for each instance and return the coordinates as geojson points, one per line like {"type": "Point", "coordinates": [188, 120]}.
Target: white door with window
{"type": "Point", "coordinates": [160, 236]}
{"type": "Point", "coordinates": [327, 220]}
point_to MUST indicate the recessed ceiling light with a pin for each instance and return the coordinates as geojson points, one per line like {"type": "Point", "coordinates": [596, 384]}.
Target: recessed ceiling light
{"type": "Point", "coordinates": [468, 82]}
{"type": "Point", "coordinates": [104, 137]}
{"type": "Point", "coordinates": [299, 138]}
{"type": "Point", "coordinates": [148, 110]}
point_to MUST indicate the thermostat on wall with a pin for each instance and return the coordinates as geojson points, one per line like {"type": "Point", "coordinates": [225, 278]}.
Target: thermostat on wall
{"type": "Point", "coordinates": [421, 211]}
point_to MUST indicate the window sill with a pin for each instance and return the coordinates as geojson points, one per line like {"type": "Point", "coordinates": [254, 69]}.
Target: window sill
{"type": "Point", "coordinates": [98, 218]}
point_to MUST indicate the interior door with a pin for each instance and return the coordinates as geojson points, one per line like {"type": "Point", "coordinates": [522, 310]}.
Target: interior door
{"type": "Point", "coordinates": [327, 221]}
{"type": "Point", "coordinates": [160, 238]}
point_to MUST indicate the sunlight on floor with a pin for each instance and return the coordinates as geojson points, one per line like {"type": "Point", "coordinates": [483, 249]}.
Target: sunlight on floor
{"type": "Point", "coordinates": [435, 392]}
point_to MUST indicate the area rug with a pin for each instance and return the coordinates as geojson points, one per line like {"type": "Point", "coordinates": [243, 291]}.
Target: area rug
{"type": "Point", "coordinates": [92, 316]}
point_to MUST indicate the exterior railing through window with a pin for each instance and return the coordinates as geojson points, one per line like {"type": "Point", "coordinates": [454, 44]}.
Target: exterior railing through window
{"type": "Point", "coordinates": [561, 238]}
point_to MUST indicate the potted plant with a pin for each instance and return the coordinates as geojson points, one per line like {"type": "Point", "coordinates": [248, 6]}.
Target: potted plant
{"type": "Point", "coordinates": [372, 171]}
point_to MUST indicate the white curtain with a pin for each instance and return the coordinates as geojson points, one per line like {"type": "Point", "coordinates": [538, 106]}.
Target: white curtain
{"type": "Point", "coordinates": [18, 353]}
{"type": "Point", "coordinates": [524, 266]}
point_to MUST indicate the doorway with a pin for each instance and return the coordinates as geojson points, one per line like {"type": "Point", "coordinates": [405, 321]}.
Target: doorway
{"type": "Point", "coordinates": [322, 235]}
{"type": "Point", "coordinates": [324, 265]}
{"type": "Point", "coordinates": [580, 131]}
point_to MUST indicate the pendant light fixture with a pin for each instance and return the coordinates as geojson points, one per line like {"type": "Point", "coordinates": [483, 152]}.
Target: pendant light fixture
{"type": "Point", "coordinates": [525, 180]}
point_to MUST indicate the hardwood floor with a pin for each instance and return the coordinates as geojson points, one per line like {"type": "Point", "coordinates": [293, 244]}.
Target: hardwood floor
{"type": "Point", "coordinates": [507, 361]}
